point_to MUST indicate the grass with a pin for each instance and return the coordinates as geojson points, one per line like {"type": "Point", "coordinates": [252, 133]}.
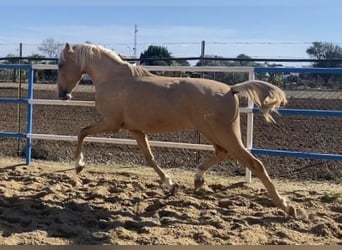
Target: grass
{"type": "Point", "coordinates": [332, 195]}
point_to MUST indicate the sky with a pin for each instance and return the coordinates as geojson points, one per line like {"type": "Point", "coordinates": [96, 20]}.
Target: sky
{"type": "Point", "coordinates": [258, 28]}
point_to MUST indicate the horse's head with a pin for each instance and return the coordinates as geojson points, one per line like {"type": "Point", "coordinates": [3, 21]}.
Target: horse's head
{"type": "Point", "coordinates": [69, 72]}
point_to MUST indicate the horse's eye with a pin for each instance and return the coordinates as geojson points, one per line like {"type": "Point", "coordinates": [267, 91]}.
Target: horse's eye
{"type": "Point", "coordinates": [60, 65]}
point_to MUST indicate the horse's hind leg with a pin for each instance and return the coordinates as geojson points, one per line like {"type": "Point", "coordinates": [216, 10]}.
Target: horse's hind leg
{"type": "Point", "coordinates": [220, 154]}
{"type": "Point", "coordinates": [239, 152]}
{"type": "Point", "coordinates": [99, 127]}
{"type": "Point", "coordinates": [146, 149]}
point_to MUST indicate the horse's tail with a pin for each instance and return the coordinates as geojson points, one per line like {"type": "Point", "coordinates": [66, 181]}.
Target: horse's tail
{"type": "Point", "coordinates": [265, 95]}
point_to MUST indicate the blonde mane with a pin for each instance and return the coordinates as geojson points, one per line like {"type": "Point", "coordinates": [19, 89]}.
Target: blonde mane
{"type": "Point", "coordinates": [138, 71]}
{"type": "Point", "coordinates": [87, 53]}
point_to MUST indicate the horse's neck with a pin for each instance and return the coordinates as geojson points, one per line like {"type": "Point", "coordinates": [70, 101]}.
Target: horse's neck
{"type": "Point", "coordinates": [105, 69]}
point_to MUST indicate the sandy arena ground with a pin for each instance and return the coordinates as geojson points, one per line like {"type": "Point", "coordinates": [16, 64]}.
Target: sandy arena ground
{"type": "Point", "coordinates": [48, 203]}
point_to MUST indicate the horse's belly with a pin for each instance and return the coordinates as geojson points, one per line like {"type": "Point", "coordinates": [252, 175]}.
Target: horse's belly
{"type": "Point", "coordinates": [157, 124]}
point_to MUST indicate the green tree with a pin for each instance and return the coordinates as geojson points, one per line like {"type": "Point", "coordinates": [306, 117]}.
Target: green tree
{"type": "Point", "coordinates": [47, 75]}
{"type": "Point", "coordinates": [245, 63]}
{"type": "Point", "coordinates": [229, 78]}
{"type": "Point", "coordinates": [10, 74]}
{"type": "Point", "coordinates": [278, 79]}
{"type": "Point", "coordinates": [326, 50]}
{"type": "Point", "coordinates": [36, 58]}
{"type": "Point", "coordinates": [156, 52]}
{"type": "Point", "coordinates": [159, 53]}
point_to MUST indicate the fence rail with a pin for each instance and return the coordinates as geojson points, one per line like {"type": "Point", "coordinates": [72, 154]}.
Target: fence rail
{"type": "Point", "coordinates": [250, 110]}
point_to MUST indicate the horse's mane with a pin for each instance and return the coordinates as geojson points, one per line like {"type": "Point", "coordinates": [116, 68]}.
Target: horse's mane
{"type": "Point", "coordinates": [140, 71]}
{"type": "Point", "coordinates": [86, 53]}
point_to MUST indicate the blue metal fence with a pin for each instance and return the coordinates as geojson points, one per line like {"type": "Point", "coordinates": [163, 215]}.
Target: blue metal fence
{"type": "Point", "coordinates": [29, 120]}
{"type": "Point", "coordinates": [302, 112]}
{"type": "Point", "coordinates": [289, 70]}
{"type": "Point", "coordinates": [271, 152]}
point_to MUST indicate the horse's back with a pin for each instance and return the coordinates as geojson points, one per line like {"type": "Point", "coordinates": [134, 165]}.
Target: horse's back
{"type": "Point", "coordinates": [183, 94]}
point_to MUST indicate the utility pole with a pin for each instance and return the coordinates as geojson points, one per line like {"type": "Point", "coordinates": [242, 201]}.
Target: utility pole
{"type": "Point", "coordinates": [19, 97]}
{"type": "Point", "coordinates": [135, 41]}
{"type": "Point", "coordinates": [202, 52]}
{"type": "Point", "coordinates": [198, 153]}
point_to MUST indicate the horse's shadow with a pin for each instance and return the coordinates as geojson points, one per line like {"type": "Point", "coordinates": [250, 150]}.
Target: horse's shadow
{"type": "Point", "coordinates": [12, 167]}
{"type": "Point", "coordinates": [77, 222]}
{"type": "Point", "coordinates": [76, 219]}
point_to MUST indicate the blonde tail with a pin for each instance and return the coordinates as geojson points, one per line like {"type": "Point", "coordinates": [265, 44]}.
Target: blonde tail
{"type": "Point", "coordinates": [265, 95]}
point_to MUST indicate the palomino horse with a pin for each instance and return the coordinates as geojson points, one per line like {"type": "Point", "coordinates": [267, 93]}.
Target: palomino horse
{"type": "Point", "coordinates": [132, 98]}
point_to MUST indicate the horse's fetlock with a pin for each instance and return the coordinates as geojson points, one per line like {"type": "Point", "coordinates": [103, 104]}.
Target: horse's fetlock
{"type": "Point", "coordinates": [198, 182]}
{"type": "Point", "coordinates": [79, 169]}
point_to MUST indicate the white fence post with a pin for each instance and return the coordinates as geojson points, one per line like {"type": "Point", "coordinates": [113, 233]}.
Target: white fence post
{"type": "Point", "coordinates": [249, 141]}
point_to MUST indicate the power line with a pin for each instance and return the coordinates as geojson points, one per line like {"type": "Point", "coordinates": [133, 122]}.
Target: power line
{"type": "Point", "coordinates": [197, 58]}
{"type": "Point", "coordinates": [196, 43]}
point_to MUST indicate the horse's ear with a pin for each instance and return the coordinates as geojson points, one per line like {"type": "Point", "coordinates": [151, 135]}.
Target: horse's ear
{"type": "Point", "coordinates": [67, 46]}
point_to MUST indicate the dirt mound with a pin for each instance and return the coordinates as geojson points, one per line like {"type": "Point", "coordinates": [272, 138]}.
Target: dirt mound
{"type": "Point", "coordinates": [48, 203]}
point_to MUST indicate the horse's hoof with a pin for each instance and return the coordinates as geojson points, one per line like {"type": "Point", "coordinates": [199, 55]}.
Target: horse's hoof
{"type": "Point", "coordinates": [79, 169]}
{"type": "Point", "coordinates": [198, 183]}
{"type": "Point", "coordinates": [292, 212]}
{"type": "Point", "coordinates": [173, 189]}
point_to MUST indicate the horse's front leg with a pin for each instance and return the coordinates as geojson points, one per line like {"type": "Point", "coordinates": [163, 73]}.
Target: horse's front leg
{"type": "Point", "coordinates": [99, 127]}
{"type": "Point", "coordinates": [145, 147]}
